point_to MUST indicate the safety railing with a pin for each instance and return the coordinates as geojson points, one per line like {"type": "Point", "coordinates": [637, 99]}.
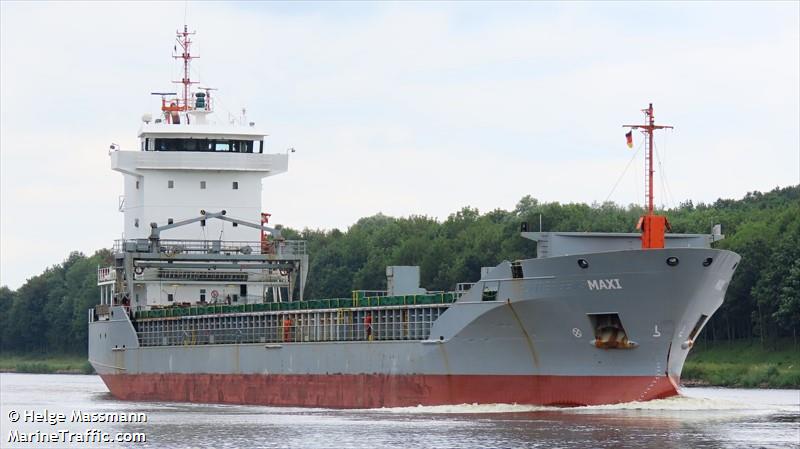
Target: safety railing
{"type": "Point", "coordinates": [217, 304]}
{"type": "Point", "coordinates": [230, 247]}
{"type": "Point", "coordinates": [106, 274]}
{"type": "Point", "coordinates": [202, 275]}
{"type": "Point", "coordinates": [229, 299]}
{"type": "Point", "coordinates": [462, 288]}
{"type": "Point", "coordinates": [358, 294]}
{"type": "Point", "coordinates": [289, 333]}
{"type": "Point", "coordinates": [290, 328]}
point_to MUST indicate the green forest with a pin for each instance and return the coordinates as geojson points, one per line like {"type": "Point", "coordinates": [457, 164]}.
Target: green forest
{"type": "Point", "coordinates": [48, 314]}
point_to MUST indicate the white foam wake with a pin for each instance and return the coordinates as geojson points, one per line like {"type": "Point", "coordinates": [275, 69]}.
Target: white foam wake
{"type": "Point", "coordinates": [469, 408]}
{"type": "Point", "coordinates": [675, 403]}
{"type": "Point", "coordinates": [721, 400]}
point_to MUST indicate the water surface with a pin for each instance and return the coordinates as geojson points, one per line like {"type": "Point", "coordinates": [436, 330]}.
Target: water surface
{"type": "Point", "coordinates": [702, 417]}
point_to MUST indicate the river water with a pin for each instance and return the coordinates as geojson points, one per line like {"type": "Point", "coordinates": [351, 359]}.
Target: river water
{"type": "Point", "coordinates": [702, 417]}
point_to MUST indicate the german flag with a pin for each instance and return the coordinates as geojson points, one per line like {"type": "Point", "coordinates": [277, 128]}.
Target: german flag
{"type": "Point", "coordinates": [629, 138]}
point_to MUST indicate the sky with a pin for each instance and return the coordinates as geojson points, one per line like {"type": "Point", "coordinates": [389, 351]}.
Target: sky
{"type": "Point", "coordinates": [408, 108]}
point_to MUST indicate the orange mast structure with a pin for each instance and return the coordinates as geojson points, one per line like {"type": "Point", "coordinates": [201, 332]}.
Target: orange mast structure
{"type": "Point", "coordinates": [173, 107]}
{"type": "Point", "coordinates": [652, 226]}
{"type": "Point", "coordinates": [183, 40]}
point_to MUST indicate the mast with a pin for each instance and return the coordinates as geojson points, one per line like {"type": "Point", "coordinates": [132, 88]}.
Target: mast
{"type": "Point", "coordinates": [172, 107]}
{"type": "Point", "coordinates": [183, 40]}
{"type": "Point", "coordinates": [653, 226]}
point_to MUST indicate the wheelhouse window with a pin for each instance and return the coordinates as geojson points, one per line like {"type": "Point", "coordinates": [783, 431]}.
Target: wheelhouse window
{"type": "Point", "coordinates": [208, 145]}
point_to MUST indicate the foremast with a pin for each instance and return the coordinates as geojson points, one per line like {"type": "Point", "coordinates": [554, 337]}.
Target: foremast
{"type": "Point", "coordinates": [653, 226]}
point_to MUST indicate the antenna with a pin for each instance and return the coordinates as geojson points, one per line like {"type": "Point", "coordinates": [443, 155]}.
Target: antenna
{"type": "Point", "coordinates": [174, 106]}
{"type": "Point", "coordinates": [183, 40]}
{"type": "Point", "coordinates": [647, 130]}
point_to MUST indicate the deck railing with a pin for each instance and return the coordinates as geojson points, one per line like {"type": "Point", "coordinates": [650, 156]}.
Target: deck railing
{"type": "Point", "coordinates": [180, 309]}
{"type": "Point", "coordinates": [386, 324]}
{"type": "Point", "coordinates": [106, 274]}
{"type": "Point", "coordinates": [270, 247]}
{"type": "Point", "coordinates": [462, 288]}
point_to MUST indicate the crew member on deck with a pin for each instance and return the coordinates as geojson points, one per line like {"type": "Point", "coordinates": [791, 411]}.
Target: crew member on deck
{"type": "Point", "coordinates": [368, 326]}
{"type": "Point", "coordinates": [287, 329]}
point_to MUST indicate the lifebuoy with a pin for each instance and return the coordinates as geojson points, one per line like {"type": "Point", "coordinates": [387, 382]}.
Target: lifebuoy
{"type": "Point", "coordinates": [138, 270]}
{"type": "Point", "coordinates": [214, 294]}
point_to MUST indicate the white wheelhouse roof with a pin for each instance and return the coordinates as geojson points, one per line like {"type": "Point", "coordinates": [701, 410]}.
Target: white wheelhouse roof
{"type": "Point", "coordinates": [202, 131]}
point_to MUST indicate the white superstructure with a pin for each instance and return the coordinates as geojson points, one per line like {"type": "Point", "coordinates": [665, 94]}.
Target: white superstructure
{"type": "Point", "coordinates": [192, 198]}
{"type": "Point", "coordinates": [182, 169]}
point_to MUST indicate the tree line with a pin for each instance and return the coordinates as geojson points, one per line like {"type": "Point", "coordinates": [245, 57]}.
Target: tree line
{"type": "Point", "coordinates": [49, 312]}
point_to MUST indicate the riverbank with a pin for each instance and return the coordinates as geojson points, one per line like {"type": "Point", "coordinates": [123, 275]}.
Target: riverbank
{"type": "Point", "coordinates": [45, 364]}
{"type": "Point", "coordinates": [743, 363]}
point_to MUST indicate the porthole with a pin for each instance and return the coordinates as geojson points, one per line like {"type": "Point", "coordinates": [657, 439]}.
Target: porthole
{"type": "Point", "coordinates": [672, 261]}
{"type": "Point", "coordinates": [708, 261]}
{"type": "Point", "coordinates": [583, 263]}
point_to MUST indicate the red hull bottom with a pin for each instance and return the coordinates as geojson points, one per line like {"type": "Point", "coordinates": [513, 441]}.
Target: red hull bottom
{"type": "Point", "coordinates": [379, 390]}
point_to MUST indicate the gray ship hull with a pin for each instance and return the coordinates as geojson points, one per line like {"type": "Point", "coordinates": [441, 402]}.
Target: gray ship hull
{"type": "Point", "coordinates": [534, 341]}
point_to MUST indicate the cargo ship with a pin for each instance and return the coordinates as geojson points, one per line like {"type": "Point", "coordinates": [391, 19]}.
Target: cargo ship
{"type": "Point", "coordinates": [205, 301]}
